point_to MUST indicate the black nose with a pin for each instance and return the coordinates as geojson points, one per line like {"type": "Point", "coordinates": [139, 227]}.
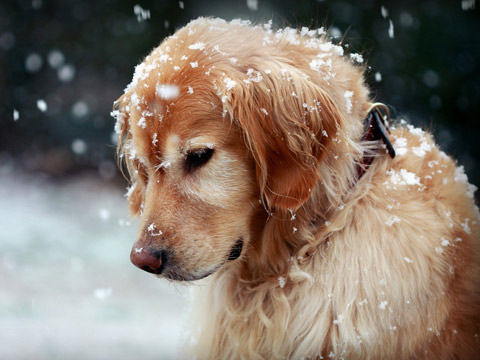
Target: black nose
{"type": "Point", "coordinates": [149, 260]}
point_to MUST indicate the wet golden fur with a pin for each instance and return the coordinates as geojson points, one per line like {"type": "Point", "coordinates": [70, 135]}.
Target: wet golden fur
{"type": "Point", "coordinates": [386, 267]}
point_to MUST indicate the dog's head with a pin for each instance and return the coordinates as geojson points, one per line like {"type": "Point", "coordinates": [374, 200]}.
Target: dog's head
{"type": "Point", "coordinates": [221, 121]}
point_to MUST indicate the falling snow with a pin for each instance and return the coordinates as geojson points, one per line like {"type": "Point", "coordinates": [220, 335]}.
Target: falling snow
{"type": "Point", "coordinates": [468, 4]}
{"type": "Point", "coordinates": [102, 293]}
{"type": "Point", "coordinates": [384, 11]}
{"type": "Point", "coordinates": [142, 14]}
{"type": "Point", "coordinates": [252, 5]}
{"type": "Point", "coordinates": [42, 105]}
{"type": "Point", "coordinates": [391, 33]}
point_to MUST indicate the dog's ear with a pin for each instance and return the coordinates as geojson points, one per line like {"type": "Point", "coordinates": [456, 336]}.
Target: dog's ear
{"type": "Point", "coordinates": [121, 114]}
{"type": "Point", "coordinates": [288, 123]}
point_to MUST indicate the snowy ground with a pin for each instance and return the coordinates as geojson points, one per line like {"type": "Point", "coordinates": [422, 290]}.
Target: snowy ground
{"type": "Point", "coordinates": [67, 287]}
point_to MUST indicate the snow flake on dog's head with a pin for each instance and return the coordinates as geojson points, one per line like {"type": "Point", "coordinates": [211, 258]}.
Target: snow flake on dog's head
{"type": "Point", "coordinates": [167, 91]}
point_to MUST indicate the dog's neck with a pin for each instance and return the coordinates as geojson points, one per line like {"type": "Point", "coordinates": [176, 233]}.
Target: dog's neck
{"type": "Point", "coordinates": [285, 236]}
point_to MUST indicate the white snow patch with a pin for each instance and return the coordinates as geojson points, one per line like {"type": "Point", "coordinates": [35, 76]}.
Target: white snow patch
{"type": "Point", "coordinates": [400, 146]}
{"type": "Point", "coordinates": [402, 177]}
{"type": "Point", "coordinates": [142, 123]}
{"type": "Point", "coordinates": [281, 281]}
{"type": "Point", "coordinates": [444, 242]}
{"type": "Point", "coordinates": [339, 319]}
{"type": "Point", "coordinates": [466, 226]}
{"type": "Point", "coordinates": [416, 131]}
{"type": "Point", "coordinates": [383, 305]}
{"type": "Point", "coordinates": [461, 177]}
{"type": "Point", "coordinates": [264, 111]}
{"type": "Point", "coordinates": [194, 64]}
{"type": "Point", "coordinates": [197, 46]}
{"type": "Point", "coordinates": [363, 302]}
{"type": "Point", "coordinates": [424, 147]}
{"type": "Point", "coordinates": [167, 91]}
{"type": "Point", "coordinates": [422, 150]}
{"type": "Point", "coordinates": [357, 58]}
{"type": "Point", "coordinates": [151, 229]}
{"type": "Point", "coordinates": [348, 98]}
{"type": "Point", "coordinates": [16, 115]}
{"type": "Point", "coordinates": [190, 90]}
{"type": "Point", "coordinates": [229, 83]}
{"type": "Point", "coordinates": [392, 220]}
{"type": "Point", "coordinates": [130, 190]}
{"type": "Point", "coordinates": [408, 260]}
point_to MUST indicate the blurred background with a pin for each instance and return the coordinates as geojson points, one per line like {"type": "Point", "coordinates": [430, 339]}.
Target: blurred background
{"type": "Point", "coordinates": [67, 289]}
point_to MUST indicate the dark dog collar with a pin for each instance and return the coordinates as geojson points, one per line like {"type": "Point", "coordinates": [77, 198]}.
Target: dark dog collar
{"type": "Point", "coordinates": [376, 128]}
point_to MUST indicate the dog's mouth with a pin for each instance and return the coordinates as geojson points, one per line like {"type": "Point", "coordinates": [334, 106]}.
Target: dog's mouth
{"type": "Point", "coordinates": [236, 250]}
{"type": "Point", "coordinates": [172, 273]}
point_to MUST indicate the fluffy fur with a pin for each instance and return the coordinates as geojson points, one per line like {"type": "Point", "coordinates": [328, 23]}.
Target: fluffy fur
{"type": "Point", "coordinates": [382, 267]}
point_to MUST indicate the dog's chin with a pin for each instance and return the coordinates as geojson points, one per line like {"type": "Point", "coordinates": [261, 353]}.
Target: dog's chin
{"type": "Point", "coordinates": [174, 274]}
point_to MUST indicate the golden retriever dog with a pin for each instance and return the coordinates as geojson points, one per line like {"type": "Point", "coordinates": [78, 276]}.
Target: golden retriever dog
{"type": "Point", "coordinates": [260, 164]}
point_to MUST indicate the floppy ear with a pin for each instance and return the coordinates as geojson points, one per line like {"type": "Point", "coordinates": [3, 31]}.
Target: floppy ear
{"type": "Point", "coordinates": [288, 122]}
{"type": "Point", "coordinates": [121, 114]}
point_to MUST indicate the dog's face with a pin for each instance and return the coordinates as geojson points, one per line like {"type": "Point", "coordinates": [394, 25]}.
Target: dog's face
{"type": "Point", "coordinates": [195, 187]}
{"type": "Point", "coordinates": [213, 131]}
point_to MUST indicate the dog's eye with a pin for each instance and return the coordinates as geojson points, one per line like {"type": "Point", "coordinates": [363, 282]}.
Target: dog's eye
{"type": "Point", "coordinates": [197, 158]}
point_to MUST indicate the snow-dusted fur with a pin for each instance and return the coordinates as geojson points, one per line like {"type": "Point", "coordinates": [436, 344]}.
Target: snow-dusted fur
{"type": "Point", "coordinates": [386, 267]}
